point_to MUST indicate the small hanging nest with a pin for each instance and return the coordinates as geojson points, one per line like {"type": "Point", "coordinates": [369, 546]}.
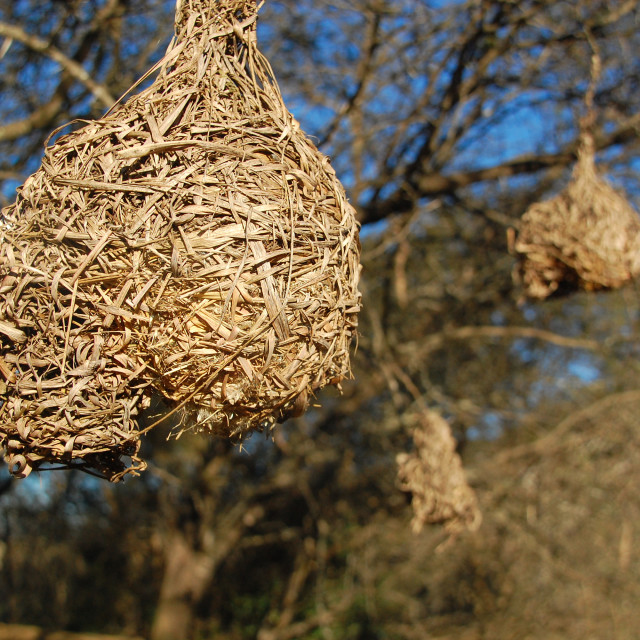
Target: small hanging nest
{"type": "Point", "coordinates": [587, 237]}
{"type": "Point", "coordinates": [191, 244]}
{"type": "Point", "coordinates": [433, 474]}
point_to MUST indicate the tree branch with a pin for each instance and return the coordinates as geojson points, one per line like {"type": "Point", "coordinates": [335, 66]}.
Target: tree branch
{"type": "Point", "coordinates": [551, 440]}
{"type": "Point", "coordinates": [404, 199]}
{"type": "Point", "coordinates": [38, 119]}
{"type": "Point", "coordinates": [75, 70]}
{"type": "Point", "coordinates": [417, 353]}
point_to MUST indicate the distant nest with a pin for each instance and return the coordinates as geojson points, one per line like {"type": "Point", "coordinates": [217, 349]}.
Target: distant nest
{"type": "Point", "coordinates": [434, 475]}
{"type": "Point", "coordinates": [587, 237]}
{"type": "Point", "coordinates": [193, 243]}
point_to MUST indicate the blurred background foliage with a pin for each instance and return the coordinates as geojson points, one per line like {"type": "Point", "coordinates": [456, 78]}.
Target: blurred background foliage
{"type": "Point", "coordinates": [445, 120]}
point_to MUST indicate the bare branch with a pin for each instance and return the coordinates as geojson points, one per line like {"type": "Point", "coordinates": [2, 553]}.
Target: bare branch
{"type": "Point", "coordinates": [40, 118]}
{"type": "Point", "coordinates": [437, 340]}
{"type": "Point", "coordinates": [436, 184]}
{"type": "Point", "coordinates": [74, 69]}
{"type": "Point", "coordinates": [552, 439]}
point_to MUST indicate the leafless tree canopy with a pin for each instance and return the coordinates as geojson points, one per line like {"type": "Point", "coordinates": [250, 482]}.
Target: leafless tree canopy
{"type": "Point", "coordinates": [445, 121]}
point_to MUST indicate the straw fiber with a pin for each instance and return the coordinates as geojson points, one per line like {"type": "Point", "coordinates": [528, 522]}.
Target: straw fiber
{"type": "Point", "coordinates": [191, 244]}
{"type": "Point", "coordinates": [587, 237]}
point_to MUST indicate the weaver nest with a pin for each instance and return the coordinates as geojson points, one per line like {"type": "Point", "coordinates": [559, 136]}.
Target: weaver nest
{"type": "Point", "coordinates": [192, 244]}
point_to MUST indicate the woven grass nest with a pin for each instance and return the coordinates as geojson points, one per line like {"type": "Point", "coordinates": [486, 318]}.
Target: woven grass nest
{"type": "Point", "coordinates": [587, 237]}
{"type": "Point", "coordinates": [434, 475]}
{"type": "Point", "coordinates": [191, 244]}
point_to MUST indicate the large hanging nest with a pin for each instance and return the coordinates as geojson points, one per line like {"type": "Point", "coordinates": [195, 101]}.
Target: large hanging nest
{"type": "Point", "coordinates": [587, 237]}
{"type": "Point", "coordinates": [192, 243]}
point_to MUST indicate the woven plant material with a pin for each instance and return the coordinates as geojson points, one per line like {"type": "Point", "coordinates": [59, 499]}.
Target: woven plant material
{"type": "Point", "coordinates": [434, 475]}
{"type": "Point", "coordinates": [587, 237]}
{"type": "Point", "coordinates": [192, 243]}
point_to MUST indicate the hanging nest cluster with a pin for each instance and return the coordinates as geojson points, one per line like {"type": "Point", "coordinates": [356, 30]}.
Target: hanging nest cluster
{"type": "Point", "coordinates": [586, 238]}
{"type": "Point", "coordinates": [192, 244]}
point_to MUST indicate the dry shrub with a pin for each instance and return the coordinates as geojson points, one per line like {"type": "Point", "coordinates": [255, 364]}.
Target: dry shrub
{"type": "Point", "coordinates": [192, 243]}
{"type": "Point", "coordinates": [433, 474]}
{"type": "Point", "coordinates": [587, 237]}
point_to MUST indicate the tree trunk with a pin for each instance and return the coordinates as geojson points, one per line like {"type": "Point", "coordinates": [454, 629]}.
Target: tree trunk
{"type": "Point", "coordinates": [186, 576]}
{"type": "Point", "coordinates": [189, 571]}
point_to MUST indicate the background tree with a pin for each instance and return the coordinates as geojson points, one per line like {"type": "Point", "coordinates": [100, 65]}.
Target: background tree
{"type": "Point", "coordinates": [445, 121]}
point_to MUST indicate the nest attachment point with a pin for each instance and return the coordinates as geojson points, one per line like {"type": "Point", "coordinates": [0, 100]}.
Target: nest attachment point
{"type": "Point", "coordinates": [192, 244]}
{"type": "Point", "coordinates": [586, 238]}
